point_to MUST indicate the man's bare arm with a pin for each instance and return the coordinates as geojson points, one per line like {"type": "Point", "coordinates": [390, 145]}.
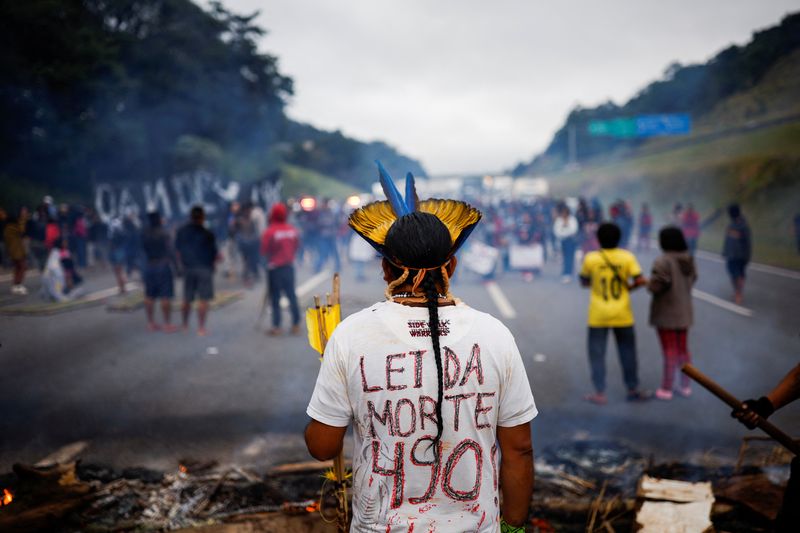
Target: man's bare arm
{"type": "Point", "coordinates": [785, 392]}
{"type": "Point", "coordinates": [323, 441]}
{"type": "Point", "coordinates": [788, 390]}
{"type": "Point", "coordinates": [516, 472]}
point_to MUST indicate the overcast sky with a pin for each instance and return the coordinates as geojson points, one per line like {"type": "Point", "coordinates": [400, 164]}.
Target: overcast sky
{"type": "Point", "coordinates": [472, 86]}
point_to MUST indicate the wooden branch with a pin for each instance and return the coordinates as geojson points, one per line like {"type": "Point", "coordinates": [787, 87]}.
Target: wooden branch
{"type": "Point", "coordinates": [300, 468]}
{"type": "Point", "coordinates": [337, 283]}
{"type": "Point", "coordinates": [323, 339]}
{"type": "Point", "coordinates": [767, 427]}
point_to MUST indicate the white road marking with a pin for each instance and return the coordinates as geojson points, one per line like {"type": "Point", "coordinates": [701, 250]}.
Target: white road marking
{"type": "Point", "coordinates": [758, 267]}
{"type": "Point", "coordinates": [28, 274]}
{"type": "Point", "coordinates": [306, 287]}
{"type": "Point", "coordinates": [768, 269]}
{"type": "Point", "coordinates": [708, 256]}
{"type": "Point", "coordinates": [500, 300]}
{"type": "Point", "coordinates": [719, 302]}
{"type": "Point", "coordinates": [104, 293]}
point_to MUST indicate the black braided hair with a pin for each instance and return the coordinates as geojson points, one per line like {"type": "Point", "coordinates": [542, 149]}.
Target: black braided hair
{"type": "Point", "coordinates": [432, 297]}
{"type": "Point", "coordinates": [420, 240]}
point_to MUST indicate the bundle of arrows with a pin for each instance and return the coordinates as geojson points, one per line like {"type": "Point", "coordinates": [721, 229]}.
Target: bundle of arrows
{"type": "Point", "coordinates": [321, 320]}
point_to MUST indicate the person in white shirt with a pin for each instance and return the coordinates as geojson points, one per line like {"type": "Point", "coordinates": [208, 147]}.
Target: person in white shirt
{"type": "Point", "coordinates": [436, 391]}
{"type": "Point", "coordinates": [565, 229]}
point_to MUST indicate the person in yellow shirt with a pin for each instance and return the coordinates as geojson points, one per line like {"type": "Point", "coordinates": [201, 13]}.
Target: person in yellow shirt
{"type": "Point", "coordinates": [611, 273]}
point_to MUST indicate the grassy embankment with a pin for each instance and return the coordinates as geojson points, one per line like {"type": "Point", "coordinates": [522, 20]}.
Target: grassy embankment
{"type": "Point", "coordinates": [719, 164]}
{"type": "Point", "coordinates": [299, 181]}
{"type": "Point", "coordinates": [759, 169]}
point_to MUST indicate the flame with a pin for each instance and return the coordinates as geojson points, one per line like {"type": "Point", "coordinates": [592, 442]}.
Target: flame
{"type": "Point", "coordinates": [7, 497]}
{"type": "Point", "coordinates": [182, 469]}
{"type": "Point", "coordinates": [313, 508]}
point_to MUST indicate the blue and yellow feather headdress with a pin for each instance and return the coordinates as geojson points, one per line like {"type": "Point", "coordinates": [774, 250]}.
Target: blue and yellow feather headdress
{"type": "Point", "coordinates": [372, 222]}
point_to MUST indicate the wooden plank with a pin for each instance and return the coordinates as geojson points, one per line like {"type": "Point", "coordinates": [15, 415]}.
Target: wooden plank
{"type": "Point", "coordinates": [65, 454]}
{"type": "Point", "coordinates": [672, 506]}
{"type": "Point", "coordinates": [674, 491]}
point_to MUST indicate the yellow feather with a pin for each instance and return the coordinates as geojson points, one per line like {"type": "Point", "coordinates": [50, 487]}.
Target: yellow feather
{"type": "Point", "coordinates": [454, 214]}
{"type": "Point", "coordinates": [373, 221]}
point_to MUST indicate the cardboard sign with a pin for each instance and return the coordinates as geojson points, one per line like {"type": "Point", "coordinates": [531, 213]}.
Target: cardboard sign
{"type": "Point", "coordinates": [526, 257]}
{"type": "Point", "coordinates": [480, 258]}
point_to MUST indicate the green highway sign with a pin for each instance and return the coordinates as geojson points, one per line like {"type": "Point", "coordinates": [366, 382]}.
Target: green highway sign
{"type": "Point", "coordinates": [642, 126]}
{"type": "Point", "coordinates": [618, 127]}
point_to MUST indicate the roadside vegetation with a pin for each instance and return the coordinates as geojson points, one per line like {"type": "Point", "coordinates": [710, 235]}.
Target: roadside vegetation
{"type": "Point", "coordinates": [743, 146]}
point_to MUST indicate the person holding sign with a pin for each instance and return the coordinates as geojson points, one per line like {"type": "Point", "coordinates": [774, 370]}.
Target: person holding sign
{"type": "Point", "coordinates": [436, 391]}
{"type": "Point", "coordinates": [611, 273]}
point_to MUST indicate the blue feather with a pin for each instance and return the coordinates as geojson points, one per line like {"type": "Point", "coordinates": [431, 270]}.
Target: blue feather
{"type": "Point", "coordinates": [391, 192]}
{"type": "Point", "coordinates": [412, 200]}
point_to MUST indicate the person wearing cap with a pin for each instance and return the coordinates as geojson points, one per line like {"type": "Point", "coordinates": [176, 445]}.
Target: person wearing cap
{"type": "Point", "coordinates": [436, 391]}
{"type": "Point", "coordinates": [279, 244]}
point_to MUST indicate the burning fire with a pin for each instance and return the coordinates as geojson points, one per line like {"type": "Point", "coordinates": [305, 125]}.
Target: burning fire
{"type": "Point", "coordinates": [313, 508]}
{"type": "Point", "coordinates": [182, 469]}
{"type": "Point", "coordinates": [7, 497]}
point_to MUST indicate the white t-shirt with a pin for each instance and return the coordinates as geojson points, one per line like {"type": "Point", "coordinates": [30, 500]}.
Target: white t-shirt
{"type": "Point", "coordinates": [379, 370]}
{"type": "Point", "coordinates": [564, 229]}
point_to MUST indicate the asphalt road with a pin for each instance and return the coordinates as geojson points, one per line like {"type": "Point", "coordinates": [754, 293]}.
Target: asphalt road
{"type": "Point", "coordinates": [152, 399]}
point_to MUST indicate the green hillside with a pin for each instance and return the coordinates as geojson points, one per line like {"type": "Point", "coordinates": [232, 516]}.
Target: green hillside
{"type": "Point", "coordinates": [299, 181]}
{"type": "Point", "coordinates": [744, 147]}
{"type": "Point", "coordinates": [697, 89]}
{"type": "Point", "coordinates": [760, 169]}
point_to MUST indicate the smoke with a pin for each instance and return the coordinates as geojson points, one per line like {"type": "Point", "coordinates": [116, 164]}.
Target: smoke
{"type": "Point", "coordinates": [131, 88]}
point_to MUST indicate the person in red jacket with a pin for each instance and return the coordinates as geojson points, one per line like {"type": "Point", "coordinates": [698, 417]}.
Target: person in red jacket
{"type": "Point", "coordinates": [690, 224]}
{"type": "Point", "coordinates": [279, 244]}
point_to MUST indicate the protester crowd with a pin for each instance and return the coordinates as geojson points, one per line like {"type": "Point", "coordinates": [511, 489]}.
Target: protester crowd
{"type": "Point", "coordinates": [558, 230]}
{"type": "Point", "coordinates": [70, 236]}
{"type": "Point", "coordinates": [251, 245]}
{"type": "Point", "coordinates": [524, 235]}
{"type": "Point", "coordinates": [247, 244]}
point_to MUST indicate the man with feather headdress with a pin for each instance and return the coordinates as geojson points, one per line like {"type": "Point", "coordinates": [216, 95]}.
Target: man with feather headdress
{"type": "Point", "coordinates": [436, 391]}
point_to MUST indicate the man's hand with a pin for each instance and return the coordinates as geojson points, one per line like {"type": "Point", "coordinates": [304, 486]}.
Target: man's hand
{"type": "Point", "coordinates": [516, 472]}
{"type": "Point", "coordinates": [753, 410]}
{"type": "Point", "coordinates": [638, 281]}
